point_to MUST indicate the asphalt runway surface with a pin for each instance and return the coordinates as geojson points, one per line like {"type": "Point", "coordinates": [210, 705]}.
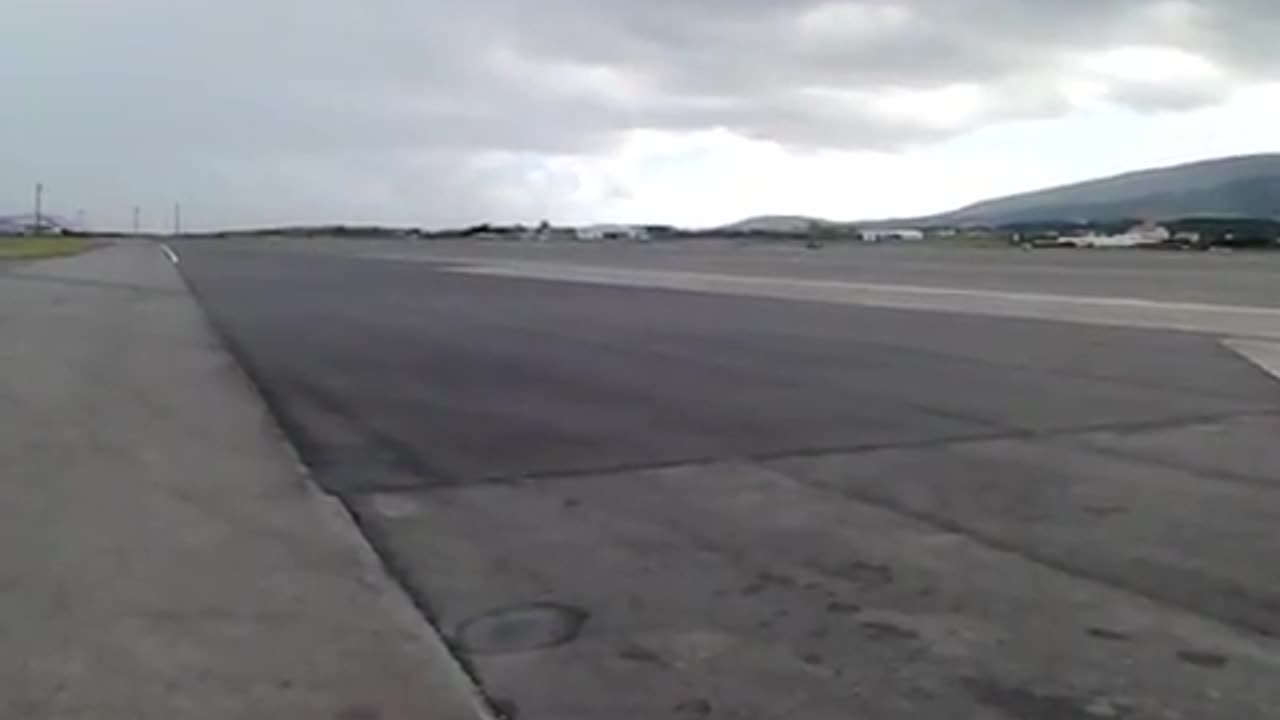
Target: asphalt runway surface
{"type": "Point", "coordinates": [626, 502]}
{"type": "Point", "coordinates": [1240, 278]}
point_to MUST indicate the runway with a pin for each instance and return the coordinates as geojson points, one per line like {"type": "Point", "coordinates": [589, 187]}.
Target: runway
{"type": "Point", "coordinates": [639, 499]}
{"type": "Point", "coordinates": [1241, 278]}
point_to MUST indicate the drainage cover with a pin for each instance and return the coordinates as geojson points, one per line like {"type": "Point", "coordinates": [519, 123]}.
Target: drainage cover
{"type": "Point", "coordinates": [523, 628]}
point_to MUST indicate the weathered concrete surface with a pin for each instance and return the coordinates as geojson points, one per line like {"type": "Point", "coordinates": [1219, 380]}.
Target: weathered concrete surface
{"type": "Point", "coordinates": [767, 508]}
{"type": "Point", "coordinates": [161, 555]}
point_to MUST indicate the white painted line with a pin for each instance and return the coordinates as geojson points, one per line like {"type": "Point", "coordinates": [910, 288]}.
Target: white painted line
{"type": "Point", "coordinates": [168, 251]}
{"type": "Point", "coordinates": [1263, 353]}
{"type": "Point", "coordinates": [607, 275]}
{"type": "Point", "coordinates": [1228, 320]}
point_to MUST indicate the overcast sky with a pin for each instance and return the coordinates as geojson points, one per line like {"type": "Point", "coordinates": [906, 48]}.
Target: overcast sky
{"type": "Point", "coordinates": [688, 111]}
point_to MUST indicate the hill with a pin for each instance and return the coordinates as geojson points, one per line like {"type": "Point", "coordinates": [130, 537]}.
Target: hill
{"type": "Point", "coordinates": [1246, 186]}
{"type": "Point", "coordinates": [780, 224]}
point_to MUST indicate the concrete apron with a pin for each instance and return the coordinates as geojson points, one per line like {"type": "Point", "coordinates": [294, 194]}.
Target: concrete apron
{"type": "Point", "coordinates": [162, 554]}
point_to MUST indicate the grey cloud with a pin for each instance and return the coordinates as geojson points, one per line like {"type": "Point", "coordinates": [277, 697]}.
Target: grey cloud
{"type": "Point", "coordinates": [1155, 98]}
{"type": "Point", "coordinates": [753, 53]}
{"type": "Point", "coordinates": [336, 108]}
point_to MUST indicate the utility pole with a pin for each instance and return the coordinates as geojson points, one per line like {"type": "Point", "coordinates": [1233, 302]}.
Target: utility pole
{"type": "Point", "coordinates": [177, 219]}
{"type": "Point", "coordinates": [137, 220]}
{"type": "Point", "coordinates": [39, 214]}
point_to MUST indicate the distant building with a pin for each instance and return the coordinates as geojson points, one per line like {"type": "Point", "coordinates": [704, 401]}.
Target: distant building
{"type": "Point", "coordinates": [1147, 233]}
{"type": "Point", "coordinates": [27, 225]}
{"type": "Point", "coordinates": [613, 232]}
{"type": "Point", "coordinates": [891, 234]}
{"type": "Point", "coordinates": [546, 232]}
{"type": "Point", "coordinates": [661, 231]}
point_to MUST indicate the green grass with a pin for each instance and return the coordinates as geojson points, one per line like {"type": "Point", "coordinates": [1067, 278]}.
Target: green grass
{"type": "Point", "coordinates": [40, 247]}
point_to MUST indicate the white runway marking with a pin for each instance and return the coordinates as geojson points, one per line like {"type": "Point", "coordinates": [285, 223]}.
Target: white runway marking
{"type": "Point", "coordinates": [169, 253]}
{"type": "Point", "coordinates": [1230, 320]}
{"type": "Point", "coordinates": [1263, 353]}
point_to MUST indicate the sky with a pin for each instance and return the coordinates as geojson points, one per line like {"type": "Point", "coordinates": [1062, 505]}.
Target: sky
{"type": "Point", "coordinates": [691, 112]}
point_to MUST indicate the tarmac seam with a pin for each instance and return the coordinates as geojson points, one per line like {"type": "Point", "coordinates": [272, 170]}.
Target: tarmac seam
{"type": "Point", "coordinates": [798, 453]}
{"type": "Point", "coordinates": [1114, 581]}
{"type": "Point", "coordinates": [369, 543]}
{"type": "Point", "coordinates": [1197, 471]}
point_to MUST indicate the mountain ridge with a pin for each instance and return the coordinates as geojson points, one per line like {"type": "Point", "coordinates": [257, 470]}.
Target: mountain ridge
{"type": "Point", "coordinates": [1241, 186]}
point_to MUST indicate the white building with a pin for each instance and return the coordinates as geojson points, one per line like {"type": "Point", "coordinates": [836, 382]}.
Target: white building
{"type": "Point", "coordinates": [891, 234]}
{"type": "Point", "coordinates": [1144, 234]}
{"type": "Point", "coordinates": [613, 232]}
{"type": "Point", "coordinates": [27, 225]}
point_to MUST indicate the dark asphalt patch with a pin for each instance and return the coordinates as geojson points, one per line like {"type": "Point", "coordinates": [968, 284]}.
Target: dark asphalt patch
{"type": "Point", "coordinates": [1213, 661]}
{"type": "Point", "coordinates": [1025, 704]}
{"type": "Point", "coordinates": [395, 375]}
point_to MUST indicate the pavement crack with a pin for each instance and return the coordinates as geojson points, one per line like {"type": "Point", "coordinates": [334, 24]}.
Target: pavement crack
{"type": "Point", "coordinates": [434, 480]}
{"type": "Point", "coordinates": [1204, 473]}
{"type": "Point", "coordinates": [1252, 624]}
{"type": "Point", "coordinates": [399, 571]}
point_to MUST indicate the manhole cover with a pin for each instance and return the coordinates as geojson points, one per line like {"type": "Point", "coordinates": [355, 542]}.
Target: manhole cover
{"type": "Point", "coordinates": [520, 629]}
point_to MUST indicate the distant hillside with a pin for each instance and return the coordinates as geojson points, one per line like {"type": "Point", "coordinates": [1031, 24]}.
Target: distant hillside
{"type": "Point", "coordinates": [1246, 186]}
{"type": "Point", "coordinates": [773, 224]}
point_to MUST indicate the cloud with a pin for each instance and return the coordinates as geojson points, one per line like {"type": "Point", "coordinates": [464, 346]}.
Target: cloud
{"type": "Point", "coordinates": [454, 110]}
